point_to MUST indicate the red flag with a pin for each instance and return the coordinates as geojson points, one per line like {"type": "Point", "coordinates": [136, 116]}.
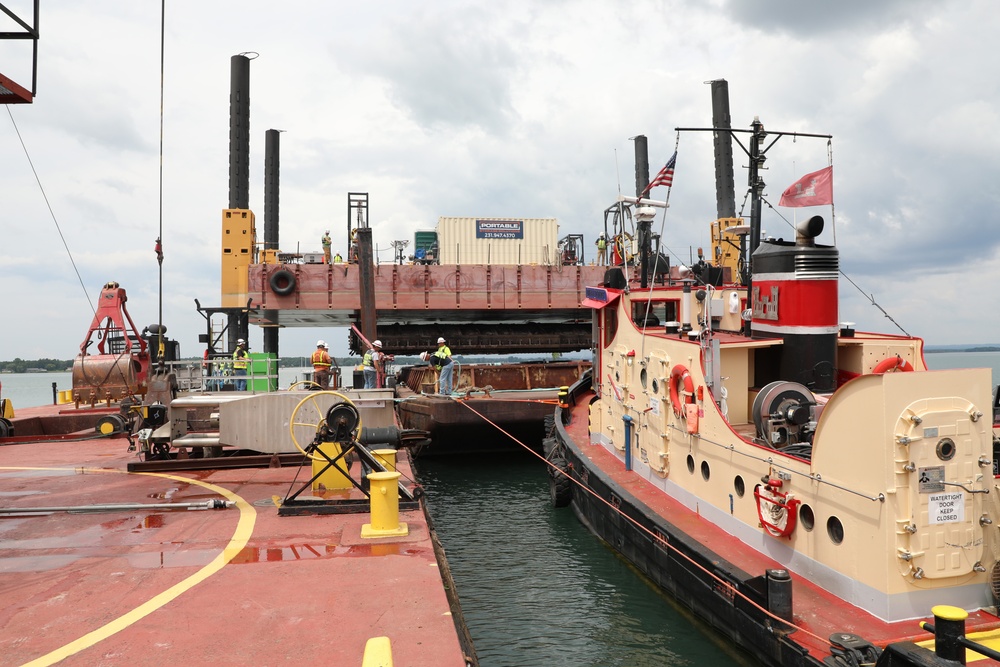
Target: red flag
{"type": "Point", "coordinates": [815, 189]}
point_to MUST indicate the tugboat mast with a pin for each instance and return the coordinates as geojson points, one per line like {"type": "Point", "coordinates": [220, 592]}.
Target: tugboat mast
{"type": "Point", "coordinates": [756, 185]}
{"type": "Point", "coordinates": [757, 156]}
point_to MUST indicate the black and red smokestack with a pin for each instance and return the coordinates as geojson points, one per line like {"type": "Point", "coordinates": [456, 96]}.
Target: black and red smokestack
{"type": "Point", "coordinates": [795, 298]}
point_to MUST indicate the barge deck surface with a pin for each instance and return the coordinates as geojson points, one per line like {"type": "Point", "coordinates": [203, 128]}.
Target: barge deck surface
{"type": "Point", "coordinates": [228, 586]}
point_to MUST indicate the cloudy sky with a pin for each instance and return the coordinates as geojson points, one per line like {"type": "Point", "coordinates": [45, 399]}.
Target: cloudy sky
{"type": "Point", "coordinates": [507, 108]}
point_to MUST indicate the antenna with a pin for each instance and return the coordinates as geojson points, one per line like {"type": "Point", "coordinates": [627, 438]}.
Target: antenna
{"type": "Point", "coordinates": [618, 173]}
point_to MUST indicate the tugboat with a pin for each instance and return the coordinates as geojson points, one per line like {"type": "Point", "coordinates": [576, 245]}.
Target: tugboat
{"type": "Point", "coordinates": [809, 491]}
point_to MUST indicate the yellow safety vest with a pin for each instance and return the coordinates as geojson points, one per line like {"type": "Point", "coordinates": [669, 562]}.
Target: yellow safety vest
{"type": "Point", "coordinates": [442, 355]}
{"type": "Point", "coordinates": [368, 360]}
{"type": "Point", "coordinates": [240, 358]}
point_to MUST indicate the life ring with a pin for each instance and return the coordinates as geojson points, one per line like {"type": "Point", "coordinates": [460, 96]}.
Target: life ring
{"type": "Point", "coordinates": [776, 510]}
{"type": "Point", "coordinates": [896, 363]}
{"type": "Point", "coordinates": [679, 375]}
{"type": "Point", "coordinates": [282, 282]}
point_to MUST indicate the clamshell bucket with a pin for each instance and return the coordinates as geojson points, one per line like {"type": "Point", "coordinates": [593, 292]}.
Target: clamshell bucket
{"type": "Point", "coordinates": [121, 365]}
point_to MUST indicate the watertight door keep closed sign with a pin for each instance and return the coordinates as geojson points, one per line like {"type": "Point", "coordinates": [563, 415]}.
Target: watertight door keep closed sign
{"type": "Point", "coordinates": [946, 507]}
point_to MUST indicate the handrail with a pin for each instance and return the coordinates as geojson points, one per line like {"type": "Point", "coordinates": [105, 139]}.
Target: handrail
{"type": "Point", "coordinates": [217, 374]}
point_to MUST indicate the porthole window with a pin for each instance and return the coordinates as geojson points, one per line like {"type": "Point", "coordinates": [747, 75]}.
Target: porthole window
{"type": "Point", "coordinates": [642, 378]}
{"type": "Point", "coordinates": [806, 517]}
{"type": "Point", "coordinates": [740, 486]}
{"type": "Point", "coordinates": [835, 529]}
{"type": "Point", "coordinates": [617, 377]}
{"type": "Point", "coordinates": [656, 386]}
{"type": "Point", "coordinates": [705, 471]}
{"type": "Point", "coordinates": [690, 463]}
{"type": "Point", "coordinates": [946, 449]}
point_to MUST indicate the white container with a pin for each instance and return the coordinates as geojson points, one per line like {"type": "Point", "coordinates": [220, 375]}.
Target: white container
{"type": "Point", "coordinates": [507, 241]}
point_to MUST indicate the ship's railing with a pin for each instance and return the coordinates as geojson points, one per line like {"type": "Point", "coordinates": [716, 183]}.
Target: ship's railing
{"type": "Point", "coordinates": [263, 375]}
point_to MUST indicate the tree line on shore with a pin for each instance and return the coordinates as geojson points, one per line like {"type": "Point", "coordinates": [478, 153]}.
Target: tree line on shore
{"type": "Point", "coordinates": [19, 365]}
{"type": "Point", "coordinates": [34, 365]}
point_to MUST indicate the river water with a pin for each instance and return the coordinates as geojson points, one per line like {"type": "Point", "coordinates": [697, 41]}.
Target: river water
{"type": "Point", "coordinates": [535, 586]}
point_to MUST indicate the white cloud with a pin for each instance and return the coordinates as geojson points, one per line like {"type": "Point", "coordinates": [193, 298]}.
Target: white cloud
{"type": "Point", "coordinates": [509, 108]}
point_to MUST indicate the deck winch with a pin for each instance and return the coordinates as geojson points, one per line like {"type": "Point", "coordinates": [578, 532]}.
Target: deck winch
{"type": "Point", "coordinates": [785, 414]}
{"type": "Point", "coordinates": [333, 423]}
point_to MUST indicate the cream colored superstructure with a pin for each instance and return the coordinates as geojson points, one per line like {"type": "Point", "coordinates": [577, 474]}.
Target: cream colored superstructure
{"type": "Point", "coordinates": [893, 509]}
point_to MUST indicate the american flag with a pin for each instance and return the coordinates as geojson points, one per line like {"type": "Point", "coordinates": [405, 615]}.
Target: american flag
{"type": "Point", "coordinates": [666, 175]}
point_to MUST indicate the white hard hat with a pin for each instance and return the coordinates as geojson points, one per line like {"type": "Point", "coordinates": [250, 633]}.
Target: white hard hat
{"type": "Point", "coordinates": [241, 342]}
{"type": "Point", "coordinates": [440, 340]}
{"type": "Point", "coordinates": [424, 356]}
{"type": "Point", "coordinates": [321, 343]}
{"type": "Point", "coordinates": [377, 343]}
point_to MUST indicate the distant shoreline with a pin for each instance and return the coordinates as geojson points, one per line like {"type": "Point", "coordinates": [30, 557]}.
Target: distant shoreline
{"type": "Point", "coordinates": [347, 362]}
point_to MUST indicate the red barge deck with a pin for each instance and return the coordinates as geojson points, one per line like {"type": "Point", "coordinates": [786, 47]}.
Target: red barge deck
{"type": "Point", "coordinates": [225, 586]}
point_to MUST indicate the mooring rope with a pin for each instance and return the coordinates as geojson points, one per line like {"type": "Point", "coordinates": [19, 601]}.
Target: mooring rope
{"type": "Point", "coordinates": [657, 538]}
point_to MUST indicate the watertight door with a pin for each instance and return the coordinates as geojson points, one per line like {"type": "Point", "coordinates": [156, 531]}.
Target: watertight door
{"type": "Point", "coordinates": [941, 442]}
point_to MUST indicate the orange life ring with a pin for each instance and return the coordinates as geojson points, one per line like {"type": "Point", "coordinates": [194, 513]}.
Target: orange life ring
{"type": "Point", "coordinates": [679, 375]}
{"type": "Point", "coordinates": [896, 363]}
{"type": "Point", "coordinates": [776, 510]}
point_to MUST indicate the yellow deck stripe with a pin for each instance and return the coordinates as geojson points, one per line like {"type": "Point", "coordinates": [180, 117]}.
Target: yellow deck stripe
{"type": "Point", "coordinates": [988, 638]}
{"type": "Point", "coordinates": [248, 517]}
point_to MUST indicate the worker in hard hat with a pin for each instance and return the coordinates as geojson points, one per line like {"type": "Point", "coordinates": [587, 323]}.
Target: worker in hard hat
{"type": "Point", "coordinates": [240, 357]}
{"type": "Point", "coordinates": [321, 363]}
{"type": "Point", "coordinates": [373, 364]}
{"type": "Point", "coordinates": [327, 243]}
{"type": "Point", "coordinates": [442, 362]}
{"type": "Point", "coordinates": [602, 250]}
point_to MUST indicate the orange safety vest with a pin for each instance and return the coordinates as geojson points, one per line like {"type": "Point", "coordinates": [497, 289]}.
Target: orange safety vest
{"type": "Point", "coordinates": [320, 359]}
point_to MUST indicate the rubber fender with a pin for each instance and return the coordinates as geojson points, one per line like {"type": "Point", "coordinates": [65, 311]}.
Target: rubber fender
{"type": "Point", "coordinates": [560, 486]}
{"type": "Point", "coordinates": [282, 282]}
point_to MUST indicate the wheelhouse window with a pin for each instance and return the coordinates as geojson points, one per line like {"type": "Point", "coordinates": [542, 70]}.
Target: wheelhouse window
{"type": "Point", "coordinates": [655, 313]}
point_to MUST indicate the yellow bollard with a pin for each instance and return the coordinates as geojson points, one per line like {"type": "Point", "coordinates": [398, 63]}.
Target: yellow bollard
{"type": "Point", "coordinates": [384, 507]}
{"type": "Point", "coordinates": [378, 653]}
{"type": "Point", "coordinates": [332, 478]}
{"type": "Point", "coordinates": [387, 457]}
{"type": "Point", "coordinates": [564, 397]}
